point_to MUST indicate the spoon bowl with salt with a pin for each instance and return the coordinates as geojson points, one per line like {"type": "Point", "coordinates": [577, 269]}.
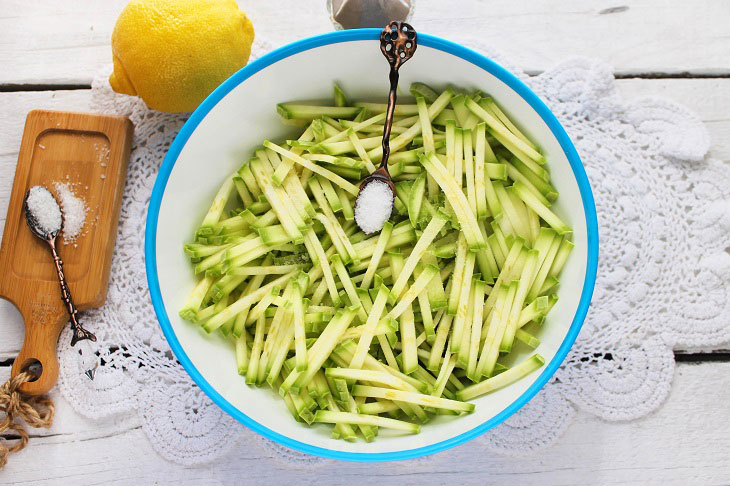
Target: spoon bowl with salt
{"type": "Point", "coordinates": [374, 203]}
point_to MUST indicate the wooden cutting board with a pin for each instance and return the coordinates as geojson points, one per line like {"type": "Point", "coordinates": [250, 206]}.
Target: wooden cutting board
{"type": "Point", "coordinates": [90, 153]}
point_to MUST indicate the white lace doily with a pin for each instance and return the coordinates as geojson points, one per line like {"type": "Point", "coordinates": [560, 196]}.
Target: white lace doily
{"type": "Point", "coordinates": [663, 277]}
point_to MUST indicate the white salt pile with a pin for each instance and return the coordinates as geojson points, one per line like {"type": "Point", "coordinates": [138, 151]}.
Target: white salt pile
{"type": "Point", "coordinates": [44, 208]}
{"type": "Point", "coordinates": [74, 211]}
{"type": "Point", "coordinates": [373, 207]}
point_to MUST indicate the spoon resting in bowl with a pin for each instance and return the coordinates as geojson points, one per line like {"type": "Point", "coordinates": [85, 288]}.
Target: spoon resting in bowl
{"type": "Point", "coordinates": [374, 203]}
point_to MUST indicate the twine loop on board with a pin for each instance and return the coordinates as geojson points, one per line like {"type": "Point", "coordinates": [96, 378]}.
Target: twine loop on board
{"type": "Point", "coordinates": [34, 411]}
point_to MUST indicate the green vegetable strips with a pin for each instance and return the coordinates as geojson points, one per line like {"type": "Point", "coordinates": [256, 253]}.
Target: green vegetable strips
{"type": "Point", "coordinates": [363, 332]}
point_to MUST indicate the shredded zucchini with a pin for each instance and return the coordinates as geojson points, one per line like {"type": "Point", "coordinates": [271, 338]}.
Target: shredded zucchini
{"type": "Point", "coordinates": [386, 330]}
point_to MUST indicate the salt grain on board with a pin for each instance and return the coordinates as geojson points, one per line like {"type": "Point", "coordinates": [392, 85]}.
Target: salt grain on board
{"type": "Point", "coordinates": [102, 153]}
{"type": "Point", "coordinates": [74, 212]}
{"type": "Point", "coordinates": [373, 207]}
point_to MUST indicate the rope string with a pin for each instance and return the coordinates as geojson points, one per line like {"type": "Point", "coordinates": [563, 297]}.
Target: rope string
{"type": "Point", "coordinates": [34, 411]}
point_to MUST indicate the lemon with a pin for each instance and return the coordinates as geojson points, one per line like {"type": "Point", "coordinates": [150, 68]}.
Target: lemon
{"type": "Point", "coordinates": [173, 53]}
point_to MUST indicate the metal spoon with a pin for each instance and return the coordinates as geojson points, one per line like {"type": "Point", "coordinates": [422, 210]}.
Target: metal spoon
{"type": "Point", "coordinates": [398, 42]}
{"type": "Point", "coordinates": [79, 333]}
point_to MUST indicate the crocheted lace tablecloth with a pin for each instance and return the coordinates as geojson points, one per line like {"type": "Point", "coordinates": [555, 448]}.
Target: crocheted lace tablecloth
{"type": "Point", "coordinates": [663, 276]}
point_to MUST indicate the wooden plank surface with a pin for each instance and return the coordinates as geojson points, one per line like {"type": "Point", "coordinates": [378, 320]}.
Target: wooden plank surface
{"type": "Point", "coordinates": [68, 42]}
{"type": "Point", "coordinates": [686, 442]}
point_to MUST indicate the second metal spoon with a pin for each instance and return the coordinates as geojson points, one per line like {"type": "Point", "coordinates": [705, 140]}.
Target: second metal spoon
{"type": "Point", "coordinates": [79, 333]}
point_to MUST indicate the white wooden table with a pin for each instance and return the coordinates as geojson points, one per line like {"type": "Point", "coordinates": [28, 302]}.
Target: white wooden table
{"type": "Point", "coordinates": [50, 51]}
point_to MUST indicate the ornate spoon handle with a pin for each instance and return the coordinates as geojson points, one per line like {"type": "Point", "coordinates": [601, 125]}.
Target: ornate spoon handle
{"type": "Point", "coordinates": [79, 332]}
{"type": "Point", "coordinates": [398, 42]}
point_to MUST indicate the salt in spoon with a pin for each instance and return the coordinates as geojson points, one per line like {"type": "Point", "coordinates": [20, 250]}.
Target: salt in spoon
{"type": "Point", "coordinates": [398, 42]}
{"type": "Point", "coordinates": [46, 227]}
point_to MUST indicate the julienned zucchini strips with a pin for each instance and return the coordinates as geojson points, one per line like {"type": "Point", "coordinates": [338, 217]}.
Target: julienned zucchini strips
{"type": "Point", "coordinates": [393, 329]}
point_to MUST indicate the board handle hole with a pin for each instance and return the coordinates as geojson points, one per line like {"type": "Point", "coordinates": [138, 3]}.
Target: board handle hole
{"type": "Point", "coordinates": [34, 367]}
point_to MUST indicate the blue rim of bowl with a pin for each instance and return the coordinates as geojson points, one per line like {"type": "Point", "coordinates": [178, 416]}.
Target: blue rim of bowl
{"type": "Point", "coordinates": [347, 36]}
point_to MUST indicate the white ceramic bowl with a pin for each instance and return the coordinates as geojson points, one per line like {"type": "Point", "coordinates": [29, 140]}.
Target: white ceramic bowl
{"type": "Point", "coordinates": [239, 115]}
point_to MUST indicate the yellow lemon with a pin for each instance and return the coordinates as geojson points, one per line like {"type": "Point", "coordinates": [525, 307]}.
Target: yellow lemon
{"type": "Point", "coordinates": [173, 53]}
